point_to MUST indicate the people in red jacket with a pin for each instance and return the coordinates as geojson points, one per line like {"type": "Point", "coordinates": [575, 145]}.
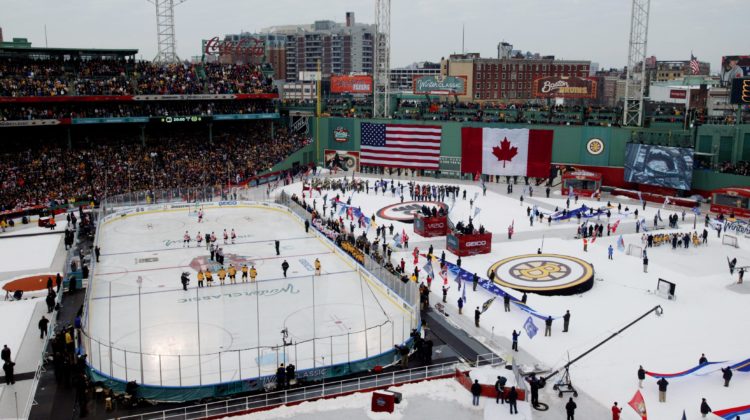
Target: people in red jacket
{"type": "Point", "coordinates": [616, 412]}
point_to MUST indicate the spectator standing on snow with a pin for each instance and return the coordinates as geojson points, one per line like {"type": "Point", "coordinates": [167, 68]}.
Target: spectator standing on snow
{"type": "Point", "coordinates": [476, 391]}
{"type": "Point", "coordinates": [662, 383]}
{"type": "Point", "coordinates": [570, 409]}
{"type": "Point", "coordinates": [641, 376]}
{"type": "Point", "coordinates": [616, 412]}
{"type": "Point", "coordinates": [705, 409]}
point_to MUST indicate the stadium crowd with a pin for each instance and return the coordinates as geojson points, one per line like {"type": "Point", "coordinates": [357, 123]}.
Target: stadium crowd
{"type": "Point", "coordinates": [55, 175]}
{"type": "Point", "coordinates": [55, 77]}
{"type": "Point", "coordinates": [741, 167]}
{"type": "Point", "coordinates": [41, 111]}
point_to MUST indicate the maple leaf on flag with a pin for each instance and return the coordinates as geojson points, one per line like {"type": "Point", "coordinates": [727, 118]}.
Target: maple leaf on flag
{"type": "Point", "coordinates": [505, 153]}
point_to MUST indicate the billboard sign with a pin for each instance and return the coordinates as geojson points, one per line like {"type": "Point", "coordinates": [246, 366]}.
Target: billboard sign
{"type": "Point", "coordinates": [677, 94]}
{"type": "Point", "coordinates": [740, 91]}
{"type": "Point", "coordinates": [564, 87]}
{"type": "Point", "coordinates": [670, 167]}
{"type": "Point", "coordinates": [251, 46]}
{"type": "Point", "coordinates": [351, 84]}
{"type": "Point", "coordinates": [440, 85]}
{"type": "Point", "coordinates": [734, 67]}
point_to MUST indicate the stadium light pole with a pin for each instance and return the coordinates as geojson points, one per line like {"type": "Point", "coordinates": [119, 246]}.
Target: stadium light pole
{"type": "Point", "coordinates": [140, 329]}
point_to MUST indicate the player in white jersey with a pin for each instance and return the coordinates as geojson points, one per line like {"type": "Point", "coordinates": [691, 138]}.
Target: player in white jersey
{"type": "Point", "coordinates": [199, 239]}
{"type": "Point", "coordinates": [213, 238]}
{"type": "Point", "coordinates": [200, 215]}
{"type": "Point", "coordinates": [186, 239]}
{"type": "Point", "coordinates": [226, 236]}
{"type": "Point", "coordinates": [233, 235]}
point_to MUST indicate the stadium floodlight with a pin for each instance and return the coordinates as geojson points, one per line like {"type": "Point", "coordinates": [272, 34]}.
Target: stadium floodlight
{"type": "Point", "coordinates": [636, 80]}
{"type": "Point", "coordinates": [165, 39]}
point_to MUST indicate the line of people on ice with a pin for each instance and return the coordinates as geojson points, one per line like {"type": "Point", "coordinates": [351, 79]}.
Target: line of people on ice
{"type": "Point", "coordinates": [677, 239]}
{"type": "Point", "coordinates": [210, 238]}
{"type": "Point", "coordinates": [221, 274]}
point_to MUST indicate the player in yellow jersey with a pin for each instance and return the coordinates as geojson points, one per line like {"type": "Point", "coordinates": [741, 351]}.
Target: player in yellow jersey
{"type": "Point", "coordinates": [232, 274]}
{"type": "Point", "coordinates": [209, 277]}
{"type": "Point", "coordinates": [253, 273]}
{"type": "Point", "coordinates": [244, 273]}
{"type": "Point", "coordinates": [200, 278]}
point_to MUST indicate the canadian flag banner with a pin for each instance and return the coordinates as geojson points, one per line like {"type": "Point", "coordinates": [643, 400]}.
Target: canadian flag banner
{"type": "Point", "coordinates": [505, 151]}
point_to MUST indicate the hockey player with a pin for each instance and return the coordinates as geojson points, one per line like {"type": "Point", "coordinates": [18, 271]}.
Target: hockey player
{"type": "Point", "coordinates": [209, 277]}
{"type": "Point", "coordinates": [186, 239]}
{"type": "Point", "coordinates": [199, 239]}
{"type": "Point", "coordinates": [213, 238]}
{"type": "Point", "coordinates": [233, 236]}
{"type": "Point", "coordinates": [200, 278]}
{"type": "Point", "coordinates": [244, 273]}
{"type": "Point", "coordinates": [226, 236]}
{"type": "Point", "coordinates": [222, 275]}
{"type": "Point", "coordinates": [317, 267]}
{"type": "Point", "coordinates": [232, 274]}
{"type": "Point", "coordinates": [253, 274]}
{"type": "Point", "coordinates": [200, 215]}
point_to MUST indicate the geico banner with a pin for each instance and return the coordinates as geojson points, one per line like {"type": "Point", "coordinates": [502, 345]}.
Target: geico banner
{"type": "Point", "coordinates": [464, 245]}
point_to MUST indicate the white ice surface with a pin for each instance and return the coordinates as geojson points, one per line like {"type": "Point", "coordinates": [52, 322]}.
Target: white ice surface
{"type": "Point", "coordinates": [232, 318]}
{"type": "Point", "coordinates": [708, 316]}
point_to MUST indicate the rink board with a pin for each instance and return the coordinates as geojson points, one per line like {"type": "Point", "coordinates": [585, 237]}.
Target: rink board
{"type": "Point", "coordinates": [227, 339]}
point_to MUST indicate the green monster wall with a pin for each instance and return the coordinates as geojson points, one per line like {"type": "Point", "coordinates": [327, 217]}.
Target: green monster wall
{"type": "Point", "coordinates": [723, 142]}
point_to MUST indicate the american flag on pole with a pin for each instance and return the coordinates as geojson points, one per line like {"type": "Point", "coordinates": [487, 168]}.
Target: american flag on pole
{"type": "Point", "coordinates": [695, 67]}
{"type": "Point", "coordinates": [401, 145]}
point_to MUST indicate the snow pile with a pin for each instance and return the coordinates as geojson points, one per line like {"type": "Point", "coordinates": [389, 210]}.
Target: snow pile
{"type": "Point", "coordinates": [28, 253]}
{"type": "Point", "coordinates": [438, 399]}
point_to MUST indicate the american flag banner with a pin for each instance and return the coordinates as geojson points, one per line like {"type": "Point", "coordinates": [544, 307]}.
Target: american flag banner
{"type": "Point", "coordinates": [695, 67]}
{"type": "Point", "coordinates": [401, 145]}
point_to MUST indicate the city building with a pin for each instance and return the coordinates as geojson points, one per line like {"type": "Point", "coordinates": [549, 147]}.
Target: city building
{"type": "Point", "coordinates": [402, 79]}
{"type": "Point", "coordinates": [341, 48]}
{"type": "Point", "coordinates": [508, 79]}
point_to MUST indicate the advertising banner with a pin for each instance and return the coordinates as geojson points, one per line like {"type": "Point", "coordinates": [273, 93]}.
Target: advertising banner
{"type": "Point", "coordinates": [341, 160]}
{"type": "Point", "coordinates": [734, 67]}
{"type": "Point", "coordinates": [464, 245]}
{"type": "Point", "coordinates": [430, 226]}
{"type": "Point", "coordinates": [351, 84]}
{"type": "Point", "coordinates": [440, 85]}
{"type": "Point", "coordinates": [564, 87]}
{"type": "Point", "coordinates": [341, 134]}
{"type": "Point", "coordinates": [741, 91]}
{"type": "Point", "coordinates": [677, 94]}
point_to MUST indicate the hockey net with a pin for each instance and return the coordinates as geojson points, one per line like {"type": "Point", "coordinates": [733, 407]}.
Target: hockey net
{"type": "Point", "coordinates": [666, 289]}
{"type": "Point", "coordinates": [730, 240]}
{"type": "Point", "coordinates": [635, 250]}
{"type": "Point", "coordinates": [193, 209]}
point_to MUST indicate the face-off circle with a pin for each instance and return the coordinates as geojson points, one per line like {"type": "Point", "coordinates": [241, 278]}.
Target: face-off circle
{"type": "Point", "coordinates": [404, 212]}
{"type": "Point", "coordinates": [545, 274]}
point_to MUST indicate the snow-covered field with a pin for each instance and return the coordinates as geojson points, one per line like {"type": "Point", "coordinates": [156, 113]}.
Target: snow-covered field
{"type": "Point", "coordinates": [708, 315]}
{"type": "Point", "coordinates": [17, 315]}
{"type": "Point", "coordinates": [28, 253]}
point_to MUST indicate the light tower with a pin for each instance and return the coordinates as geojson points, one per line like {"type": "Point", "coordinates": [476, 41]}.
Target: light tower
{"type": "Point", "coordinates": [167, 52]}
{"type": "Point", "coordinates": [382, 62]}
{"type": "Point", "coordinates": [635, 87]}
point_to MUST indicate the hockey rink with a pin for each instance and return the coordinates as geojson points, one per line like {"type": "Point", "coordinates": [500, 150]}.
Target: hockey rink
{"type": "Point", "coordinates": [225, 333]}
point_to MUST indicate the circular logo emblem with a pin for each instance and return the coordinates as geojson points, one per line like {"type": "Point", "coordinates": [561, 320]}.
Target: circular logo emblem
{"type": "Point", "coordinates": [404, 212]}
{"type": "Point", "coordinates": [595, 146]}
{"type": "Point", "coordinates": [544, 274]}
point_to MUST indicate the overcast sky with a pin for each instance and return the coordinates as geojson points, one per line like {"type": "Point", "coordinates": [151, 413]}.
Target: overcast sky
{"type": "Point", "coordinates": [596, 30]}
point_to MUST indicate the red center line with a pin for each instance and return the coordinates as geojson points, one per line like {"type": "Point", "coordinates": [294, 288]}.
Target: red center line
{"type": "Point", "coordinates": [183, 266]}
